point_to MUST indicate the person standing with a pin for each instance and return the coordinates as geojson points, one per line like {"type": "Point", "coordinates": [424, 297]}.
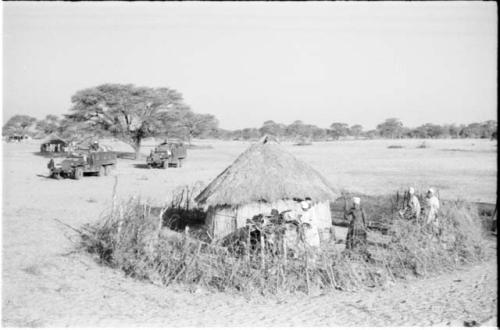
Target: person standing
{"type": "Point", "coordinates": [94, 146]}
{"type": "Point", "coordinates": [356, 235]}
{"type": "Point", "coordinates": [414, 203]}
{"type": "Point", "coordinates": [433, 204]}
{"type": "Point", "coordinates": [432, 212]}
{"type": "Point", "coordinates": [311, 234]}
{"type": "Point", "coordinates": [413, 209]}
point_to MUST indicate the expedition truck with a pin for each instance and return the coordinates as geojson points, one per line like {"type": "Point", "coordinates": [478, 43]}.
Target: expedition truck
{"type": "Point", "coordinates": [167, 154]}
{"type": "Point", "coordinates": [77, 164]}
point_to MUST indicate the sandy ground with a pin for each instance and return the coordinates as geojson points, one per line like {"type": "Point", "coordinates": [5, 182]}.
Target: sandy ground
{"type": "Point", "coordinates": [44, 284]}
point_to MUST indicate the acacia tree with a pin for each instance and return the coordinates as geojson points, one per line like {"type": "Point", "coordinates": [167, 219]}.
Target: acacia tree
{"type": "Point", "coordinates": [338, 130]}
{"type": "Point", "coordinates": [356, 130]}
{"type": "Point", "coordinates": [270, 127]}
{"type": "Point", "coordinates": [199, 125]}
{"type": "Point", "coordinates": [391, 128]}
{"type": "Point", "coordinates": [318, 133]}
{"type": "Point", "coordinates": [298, 129]}
{"type": "Point", "coordinates": [182, 122]}
{"type": "Point", "coordinates": [49, 125]}
{"type": "Point", "coordinates": [18, 124]}
{"type": "Point", "coordinates": [126, 112]}
{"type": "Point", "coordinates": [488, 128]}
{"type": "Point", "coordinates": [250, 133]}
{"type": "Point", "coordinates": [70, 130]}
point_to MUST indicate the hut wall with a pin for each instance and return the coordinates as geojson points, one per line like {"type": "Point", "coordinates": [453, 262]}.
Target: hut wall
{"type": "Point", "coordinates": [247, 211]}
{"type": "Point", "coordinates": [222, 221]}
{"type": "Point", "coordinates": [322, 214]}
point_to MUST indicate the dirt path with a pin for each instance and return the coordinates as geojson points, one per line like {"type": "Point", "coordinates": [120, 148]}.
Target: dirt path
{"type": "Point", "coordinates": [42, 285]}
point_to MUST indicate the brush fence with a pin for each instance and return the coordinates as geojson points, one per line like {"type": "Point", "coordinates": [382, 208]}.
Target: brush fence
{"type": "Point", "coordinates": [224, 220]}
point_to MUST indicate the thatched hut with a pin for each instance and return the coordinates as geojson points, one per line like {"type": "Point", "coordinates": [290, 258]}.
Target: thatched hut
{"type": "Point", "coordinates": [53, 144]}
{"type": "Point", "coordinates": [264, 177]}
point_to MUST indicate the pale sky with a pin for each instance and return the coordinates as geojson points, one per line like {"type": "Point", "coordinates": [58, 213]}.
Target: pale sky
{"type": "Point", "coordinates": [324, 62]}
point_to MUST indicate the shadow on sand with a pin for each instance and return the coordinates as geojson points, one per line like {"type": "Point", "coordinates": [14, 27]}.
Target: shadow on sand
{"type": "Point", "coordinates": [50, 154]}
{"type": "Point", "coordinates": [142, 166]}
{"type": "Point", "coordinates": [128, 155]}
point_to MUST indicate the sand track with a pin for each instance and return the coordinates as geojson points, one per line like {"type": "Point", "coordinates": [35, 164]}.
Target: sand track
{"type": "Point", "coordinates": [74, 291]}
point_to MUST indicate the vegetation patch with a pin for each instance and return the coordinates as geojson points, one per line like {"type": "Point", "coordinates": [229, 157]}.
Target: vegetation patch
{"type": "Point", "coordinates": [139, 242]}
{"type": "Point", "coordinates": [303, 142]}
{"type": "Point", "coordinates": [395, 146]}
{"type": "Point", "coordinates": [423, 145]}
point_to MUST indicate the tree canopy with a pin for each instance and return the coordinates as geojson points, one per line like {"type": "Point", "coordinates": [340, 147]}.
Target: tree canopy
{"type": "Point", "coordinates": [391, 128]}
{"type": "Point", "coordinates": [18, 125]}
{"type": "Point", "coordinates": [338, 130]}
{"type": "Point", "coordinates": [132, 113]}
{"type": "Point", "coordinates": [49, 125]}
{"type": "Point", "coordinates": [126, 112]}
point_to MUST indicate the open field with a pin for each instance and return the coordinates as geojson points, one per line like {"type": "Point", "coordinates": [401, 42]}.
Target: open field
{"type": "Point", "coordinates": [45, 285]}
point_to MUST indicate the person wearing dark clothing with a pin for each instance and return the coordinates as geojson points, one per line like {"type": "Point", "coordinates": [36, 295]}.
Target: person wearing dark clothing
{"type": "Point", "coordinates": [94, 146]}
{"type": "Point", "coordinates": [356, 235]}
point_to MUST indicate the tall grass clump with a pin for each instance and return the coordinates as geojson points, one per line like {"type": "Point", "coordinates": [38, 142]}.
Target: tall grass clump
{"type": "Point", "coordinates": [138, 241]}
{"type": "Point", "coordinates": [417, 249]}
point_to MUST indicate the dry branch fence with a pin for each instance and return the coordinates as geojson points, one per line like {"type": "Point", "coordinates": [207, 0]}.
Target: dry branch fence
{"type": "Point", "coordinates": [131, 238]}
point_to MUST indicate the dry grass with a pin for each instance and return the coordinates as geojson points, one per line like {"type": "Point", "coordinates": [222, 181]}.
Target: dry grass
{"type": "Point", "coordinates": [131, 238]}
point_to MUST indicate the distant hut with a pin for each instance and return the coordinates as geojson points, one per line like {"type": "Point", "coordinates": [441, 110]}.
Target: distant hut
{"type": "Point", "coordinates": [264, 177]}
{"type": "Point", "coordinates": [18, 138]}
{"type": "Point", "coordinates": [53, 144]}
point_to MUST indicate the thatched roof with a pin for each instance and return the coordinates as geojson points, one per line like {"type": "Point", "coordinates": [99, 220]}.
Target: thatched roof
{"type": "Point", "coordinates": [266, 172]}
{"type": "Point", "coordinates": [53, 138]}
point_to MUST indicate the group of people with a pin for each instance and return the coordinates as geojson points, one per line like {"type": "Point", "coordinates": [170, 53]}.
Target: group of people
{"type": "Point", "coordinates": [357, 232]}
{"type": "Point", "coordinates": [17, 138]}
{"type": "Point", "coordinates": [53, 147]}
{"type": "Point", "coordinates": [71, 147]}
{"type": "Point", "coordinates": [413, 211]}
{"type": "Point", "coordinates": [308, 230]}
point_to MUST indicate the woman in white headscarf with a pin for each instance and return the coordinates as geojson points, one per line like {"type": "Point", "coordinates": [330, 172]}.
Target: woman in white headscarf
{"type": "Point", "coordinates": [413, 209]}
{"type": "Point", "coordinates": [414, 204]}
{"type": "Point", "coordinates": [433, 208]}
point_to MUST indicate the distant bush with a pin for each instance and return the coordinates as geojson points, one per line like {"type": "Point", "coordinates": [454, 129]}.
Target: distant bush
{"type": "Point", "coordinates": [423, 145]}
{"type": "Point", "coordinates": [395, 146]}
{"type": "Point", "coordinates": [303, 143]}
{"type": "Point", "coordinates": [134, 240]}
